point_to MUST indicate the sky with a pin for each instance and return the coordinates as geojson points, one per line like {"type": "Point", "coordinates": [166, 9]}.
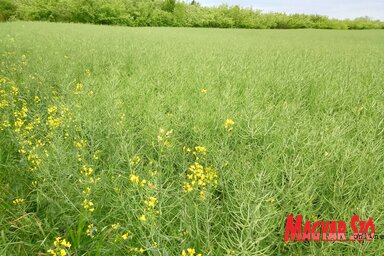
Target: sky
{"type": "Point", "coordinates": [341, 9]}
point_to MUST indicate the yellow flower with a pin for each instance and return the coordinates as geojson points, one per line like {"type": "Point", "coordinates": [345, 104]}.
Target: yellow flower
{"type": "Point", "coordinates": [88, 205]}
{"type": "Point", "coordinates": [65, 243]}
{"type": "Point", "coordinates": [52, 252]}
{"type": "Point", "coordinates": [96, 155]}
{"type": "Point", "coordinates": [53, 122]}
{"type": "Point", "coordinates": [202, 195]}
{"type": "Point", "coordinates": [187, 150]}
{"type": "Point", "coordinates": [143, 218]}
{"type": "Point", "coordinates": [14, 90]}
{"type": "Point", "coordinates": [80, 144]}
{"type": "Point", "coordinates": [87, 191]}
{"type": "Point", "coordinates": [18, 201]}
{"type": "Point", "coordinates": [78, 88]}
{"type": "Point", "coordinates": [91, 230]}
{"type": "Point", "coordinates": [6, 124]}
{"type": "Point", "coordinates": [199, 152]}
{"type": "Point", "coordinates": [52, 110]}
{"type": "Point", "coordinates": [115, 226]}
{"type": "Point", "coordinates": [86, 171]}
{"type": "Point", "coordinates": [37, 99]}
{"type": "Point", "coordinates": [201, 149]}
{"type": "Point", "coordinates": [229, 124]}
{"type": "Point", "coordinates": [164, 136]}
{"type": "Point", "coordinates": [190, 252]}
{"type": "Point", "coordinates": [125, 236]}
{"type": "Point", "coordinates": [134, 179]}
{"type": "Point", "coordinates": [134, 160]}
{"type": "Point", "coordinates": [57, 241]}
{"type": "Point", "coordinates": [204, 91]}
{"type": "Point", "coordinates": [151, 202]}
{"type": "Point", "coordinates": [61, 247]}
{"type": "Point", "coordinates": [199, 177]}
{"type": "Point", "coordinates": [143, 182]}
{"type": "Point", "coordinates": [187, 187]}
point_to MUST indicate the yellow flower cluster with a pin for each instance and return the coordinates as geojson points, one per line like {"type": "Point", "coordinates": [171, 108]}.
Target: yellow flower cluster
{"type": "Point", "coordinates": [18, 201]}
{"type": "Point", "coordinates": [115, 226]}
{"type": "Point", "coordinates": [4, 125]}
{"type": "Point", "coordinates": [151, 203]}
{"type": "Point", "coordinates": [190, 252]}
{"type": "Point", "coordinates": [36, 99]}
{"type": "Point", "coordinates": [60, 247]}
{"type": "Point", "coordinates": [24, 125]}
{"type": "Point", "coordinates": [136, 250]}
{"type": "Point", "coordinates": [88, 205]}
{"type": "Point", "coordinates": [87, 191]}
{"type": "Point", "coordinates": [199, 152]}
{"type": "Point", "coordinates": [20, 119]}
{"type": "Point", "coordinates": [133, 161]}
{"type": "Point", "coordinates": [87, 173]}
{"type": "Point", "coordinates": [164, 136]}
{"type": "Point", "coordinates": [135, 179]}
{"type": "Point", "coordinates": [24, 60]}
{"type": "Point", "coordinates": [228, 125]}
{"type": "Point", "coordinates": [87, 72]}
{"type": "Point", "coordinates": [86, 170]}
{"type": "Point", "coordinates": [124, 236]}
{"type": "Point", "coordinates": [80, 144]}
{"type": "Point", "coordinates": [53, 120]}
{"type": "Point", "coordinates": [33, 134]}
{"type": "Point", "coordinates": [199, 177]}
{"type": "Point", "coordinates": [150, 209]}
{"type": "Point", "coordinates": [91, 230]}
{"type": "Point", "coordinates": [121, 120]}
{"type": "Point", "coordinates": [78, 88]}
{"type": "Point", "coordinates": [7, 91]}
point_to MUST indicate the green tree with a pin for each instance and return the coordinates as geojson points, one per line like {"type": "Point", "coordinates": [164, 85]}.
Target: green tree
{"type": "Point", "coordinates": [169, 5]}
{"type": "Point", "coordinates": [7, 10]}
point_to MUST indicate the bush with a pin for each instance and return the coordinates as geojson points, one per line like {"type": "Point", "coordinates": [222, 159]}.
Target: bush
{"type": "Point", "coordinates": [169, 13]}
{"type": "Point", "coordinates": [7, 10]}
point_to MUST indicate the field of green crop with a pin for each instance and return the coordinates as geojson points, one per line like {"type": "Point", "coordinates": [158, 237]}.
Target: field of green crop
{"type": "Point", "coordinates": [182, 141]}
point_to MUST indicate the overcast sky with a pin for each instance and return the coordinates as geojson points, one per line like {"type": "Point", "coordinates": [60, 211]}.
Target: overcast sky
{"type": "Point", "coordinates": [342, 9]}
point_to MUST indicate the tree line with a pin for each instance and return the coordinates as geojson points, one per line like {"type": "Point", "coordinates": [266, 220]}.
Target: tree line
{"type": "Point", "coordinates": [170, 13]}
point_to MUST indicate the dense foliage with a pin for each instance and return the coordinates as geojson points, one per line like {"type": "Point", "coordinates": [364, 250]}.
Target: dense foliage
{"type": "Point", "coordinates": [168, 13]}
